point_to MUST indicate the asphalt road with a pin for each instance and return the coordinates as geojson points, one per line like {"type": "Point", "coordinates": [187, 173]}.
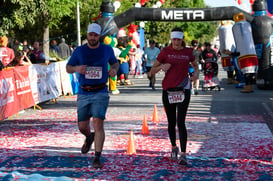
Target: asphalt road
{"type": "Point", "coordinates": [229, 138]}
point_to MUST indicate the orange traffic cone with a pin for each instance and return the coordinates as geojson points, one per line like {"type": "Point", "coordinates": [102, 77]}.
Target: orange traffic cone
{"type": "Point", "coordinates": [155, 116]}
{"type": "Point", "coordinates": [131, 144]}
{"type": "Point", "coordinates": [145, 128]}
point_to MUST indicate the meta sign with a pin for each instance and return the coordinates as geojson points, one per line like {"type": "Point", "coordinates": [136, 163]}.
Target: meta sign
{"type": "Point", "coordinates": [182, 15]}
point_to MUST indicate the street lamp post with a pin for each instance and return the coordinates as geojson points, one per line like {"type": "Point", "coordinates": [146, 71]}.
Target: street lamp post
{"type": "Point", "coordinates": [78, 24]}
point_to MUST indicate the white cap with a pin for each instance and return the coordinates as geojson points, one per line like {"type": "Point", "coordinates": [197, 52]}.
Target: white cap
{"type": "Point", "coordinates": [95, 28]}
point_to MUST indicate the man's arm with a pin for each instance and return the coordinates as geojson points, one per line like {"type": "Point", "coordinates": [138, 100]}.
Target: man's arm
{"type": "Point", "coordinates": [80, 69]}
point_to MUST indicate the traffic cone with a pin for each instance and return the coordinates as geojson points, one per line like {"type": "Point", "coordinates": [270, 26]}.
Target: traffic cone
{"type": "Point", "coordinates": [145, 128]}
{"type": "Point", "coordinates": [131, 145]}
{"type": "Point", "coordinates": [155, 116]}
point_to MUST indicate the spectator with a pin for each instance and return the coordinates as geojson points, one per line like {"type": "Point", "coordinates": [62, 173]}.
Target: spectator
{"type": "Point", "coordinates": [198, 58]}
{"type": "Point", "coordinates": [54, 48]}
{"type": "Point", "coordinates": [151, 54]}
{"type": "Point", "coordinates": [64, 49]}
{"type": "Point", "coordinates": [139, 59]}
{"type": "Point", "coordinates": [38, 54]}
{"type": "Point", "coordinates": [6, 53]}
{"type": "Point", "coordinates": [19, 60]}
{"type": "Point", "coordinates": [16, 46]}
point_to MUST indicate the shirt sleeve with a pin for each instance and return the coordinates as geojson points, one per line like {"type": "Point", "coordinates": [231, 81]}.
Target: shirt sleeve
{"type": "Point", "coordinates": [112, 57]}
{"type": "Point", "coordinates": [73, 60]}
{"type": "Point", "coordinates": [161, 56]}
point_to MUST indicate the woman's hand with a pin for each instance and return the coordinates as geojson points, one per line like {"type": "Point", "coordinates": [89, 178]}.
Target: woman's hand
{"type": "Point", "coordinates": [165, 67]}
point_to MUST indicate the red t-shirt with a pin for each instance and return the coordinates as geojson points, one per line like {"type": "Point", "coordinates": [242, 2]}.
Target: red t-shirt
{"type": "Point", "coordinates": [6, 55]}
{"type": "Point", "coordinates": [179, 59]}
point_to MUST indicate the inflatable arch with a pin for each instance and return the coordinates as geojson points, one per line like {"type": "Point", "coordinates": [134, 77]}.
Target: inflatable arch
{"type": "Point", "coordinates": [262, 27]}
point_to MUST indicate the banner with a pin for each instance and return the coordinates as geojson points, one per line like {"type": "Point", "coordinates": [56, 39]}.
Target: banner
{"type": "Point", "coordinates": [23, 89]}
{"type": "Point", "coordinates": [8, 97]}
{"type": "Point", "coordinates": [45, 82]}
{"type": "Point", "coordinates": [65, 78]}
{"type": "Point", "coordinates": [54, 79]}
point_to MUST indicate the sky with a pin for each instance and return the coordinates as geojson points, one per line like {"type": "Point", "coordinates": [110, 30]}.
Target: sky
{"type": "Point", "coordinates": [221, 3]}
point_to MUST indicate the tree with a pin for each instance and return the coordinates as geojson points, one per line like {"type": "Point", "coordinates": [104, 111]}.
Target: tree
{"type": "Point", "coordinates": [32, 19]}
{"type": "Point", "coordinates": [15, 13]}
{"type": "Point", "coordinates": [42, 14]}
{"type": "Point", "coordinates": [51, 12]}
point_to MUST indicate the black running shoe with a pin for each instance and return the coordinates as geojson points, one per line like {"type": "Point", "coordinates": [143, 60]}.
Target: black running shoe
{"type": "Point", "coordinates": [174, 153]}
{"type": "Point", "coordinates": [182, 159]}
{"type": "Point", "coordinates": [96, 163]}
{"type": "Point", "coordinates": [88, 143]}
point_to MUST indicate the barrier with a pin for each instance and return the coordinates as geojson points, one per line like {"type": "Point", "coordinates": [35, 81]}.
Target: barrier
{"type": "Point", "coordinates": [22, 87]}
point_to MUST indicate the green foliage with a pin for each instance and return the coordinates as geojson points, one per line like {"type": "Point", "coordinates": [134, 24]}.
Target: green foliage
{"type": "Point", "coordinates": [28, 19]}
{"type": "Point", "coordinates": [57, 9]}
{"type": "Point", "coordinates": [16, 13]}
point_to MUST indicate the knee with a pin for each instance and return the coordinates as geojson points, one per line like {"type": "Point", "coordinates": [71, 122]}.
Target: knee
{"type": "Point", "coordinates": [98, 124]}
{"type": "Point", "coordinates": [83, 127]}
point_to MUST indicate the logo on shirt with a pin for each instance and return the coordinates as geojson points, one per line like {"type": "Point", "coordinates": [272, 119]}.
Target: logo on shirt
{"type": "Point", "coordinates": [183, 57]}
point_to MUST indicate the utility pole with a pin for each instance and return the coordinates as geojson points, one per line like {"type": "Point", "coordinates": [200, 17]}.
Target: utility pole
{"type": "Point", "coordinates": [78, 24]}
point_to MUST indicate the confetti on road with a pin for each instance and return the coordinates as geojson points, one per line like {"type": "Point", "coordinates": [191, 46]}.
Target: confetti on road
{"type": "Point", "coordinates": [46, 146]}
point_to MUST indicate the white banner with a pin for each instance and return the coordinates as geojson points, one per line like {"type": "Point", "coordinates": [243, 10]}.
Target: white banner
{"type": "Point", "coordinates": [45, 82]}
{"type": "Point", "coordinates": [65, 78]}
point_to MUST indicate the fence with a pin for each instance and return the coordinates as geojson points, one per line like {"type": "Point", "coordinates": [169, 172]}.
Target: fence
{"type": "Point", "coordinates": [22, 87]}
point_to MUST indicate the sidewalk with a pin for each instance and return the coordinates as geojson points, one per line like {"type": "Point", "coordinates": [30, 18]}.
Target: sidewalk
{"type": "Point", "coordinates": [229, 138]}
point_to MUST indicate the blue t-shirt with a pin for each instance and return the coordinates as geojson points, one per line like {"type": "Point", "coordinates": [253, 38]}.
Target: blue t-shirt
{"type": "Point", "coordinates": [97, 65]}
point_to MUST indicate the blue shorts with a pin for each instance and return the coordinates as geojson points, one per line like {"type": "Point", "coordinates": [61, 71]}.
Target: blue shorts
{"type": "Point", "coordinates": [94, 105]}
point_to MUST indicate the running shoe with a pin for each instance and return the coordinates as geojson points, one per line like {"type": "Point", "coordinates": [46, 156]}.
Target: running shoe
{"type": "Point", "coordinates": [97, 163]}
{"type": "Point", "coordinates": [182, 159]}
{"type": "Point", "coordinates": [196, 92]}
{"type": "Point", "coordinates": [174, 153]}
{"type": "Point", "coordinates": [88, 143]}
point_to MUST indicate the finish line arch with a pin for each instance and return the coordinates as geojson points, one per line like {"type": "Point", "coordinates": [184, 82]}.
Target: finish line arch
{"type": "Point", "coordinates": [262, 27]}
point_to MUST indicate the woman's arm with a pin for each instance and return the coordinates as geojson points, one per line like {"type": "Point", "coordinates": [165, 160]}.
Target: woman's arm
{"type": "Point", "coordinates": [28, 61]}
{"type": "Point", "coordinates": [159, 66]}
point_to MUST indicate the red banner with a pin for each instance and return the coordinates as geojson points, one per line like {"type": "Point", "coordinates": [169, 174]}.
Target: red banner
{"type": "Point", "coordinates": [22, 82]}
{"type": "Point", "coordinates": [8, 97]}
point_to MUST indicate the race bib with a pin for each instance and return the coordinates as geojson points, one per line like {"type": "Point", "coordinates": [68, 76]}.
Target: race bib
{"type": "Point", "coordinates": [93, 73]}
{"type": "Point", "coordinates": [175, 97]}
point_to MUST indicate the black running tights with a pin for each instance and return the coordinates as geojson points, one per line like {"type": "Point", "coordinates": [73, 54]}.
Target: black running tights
{"type": "Point", "coordinates": [176, 114]}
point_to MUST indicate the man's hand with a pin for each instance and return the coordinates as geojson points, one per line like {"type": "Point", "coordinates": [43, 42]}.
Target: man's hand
{"type": "Point", "coordinates": [112, 72]}
{"type": "Point", "coordinates": [81, 69]}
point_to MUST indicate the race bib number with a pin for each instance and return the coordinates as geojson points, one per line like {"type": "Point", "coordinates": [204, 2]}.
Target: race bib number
{"type": "Point", "coordinates": [93, 73]}
{"type": "Point", "coordinates": [176, 97]}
